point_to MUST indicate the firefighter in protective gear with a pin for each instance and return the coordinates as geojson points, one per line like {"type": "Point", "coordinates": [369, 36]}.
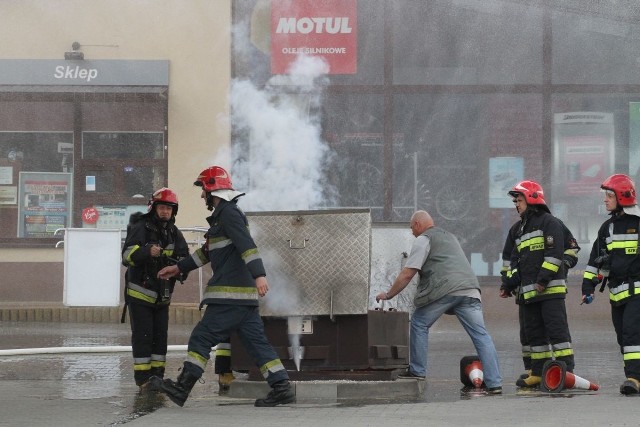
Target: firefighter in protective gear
{"type": "Point", "coordinates": [152, 240]}
{"type": "Point", "coordinates": [614, 256]}
{"type": "Point", "coordinates": [511, 279]}
{"type": "Point", "coordinates": [231, 296]}
{"type": "Point", "coordinates": [537, 275]}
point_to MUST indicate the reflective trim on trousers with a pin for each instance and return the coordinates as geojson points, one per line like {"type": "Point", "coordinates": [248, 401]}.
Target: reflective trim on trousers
{"type": "Point", "coordinates": [272, 366]}
{"type": "Point", "coordinates": [197, 360]}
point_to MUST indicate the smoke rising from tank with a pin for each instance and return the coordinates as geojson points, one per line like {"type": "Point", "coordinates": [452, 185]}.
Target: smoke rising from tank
{"type": "Point", "coordinates": [279, 155]}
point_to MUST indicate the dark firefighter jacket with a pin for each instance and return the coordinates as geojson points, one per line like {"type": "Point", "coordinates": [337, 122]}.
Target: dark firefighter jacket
{"type": "Point", "coordinates": [143, 231]}
{"type": "Point", "coordinates": [538, 256]}
{"type": "Point", "coordinates": [233, 255]}
{"type": "Point", "coordinates": [618, 243]}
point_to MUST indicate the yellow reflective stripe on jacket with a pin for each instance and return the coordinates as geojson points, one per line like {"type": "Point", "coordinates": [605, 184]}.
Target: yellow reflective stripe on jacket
{"type": "Point", "coordinates": [628, 242]}
{"type": "Point", "coordinates": [590, 272]}
{"type": "Point", "coordinates": [249, 255]}
{"type": "Point", "coordinates": [199, 257]}
{"type": "Point", "coordinates": [554, 287]}
{"type": "Point", "coordinates": [621, 292]}
{"type": "Point", "coordinates": [232, 292]}
{"type": "Point", "coordinates": [534, 243]}
{"type": "Point", "coordinates": [219, 242]}
{"type": "Point", "coordinates": [551, 264]}
{"type": "Point", "coordinates": [141, 293]}
{"type": "Point", "coordinates": [168, 250]}
{"type": "Point", "coordinates": [128, 252]}
{"type": "Point", "coordinates": [571, 252]}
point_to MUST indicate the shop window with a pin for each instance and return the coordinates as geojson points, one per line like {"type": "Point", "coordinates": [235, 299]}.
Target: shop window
{"type": "Point", "coordinates": [35, 183]}
{"type": "Point", "coordinates": [594, 136]}
{"type": "Point", "coordinates": [122, 145]}
{"type": "Point", "coordinates": [103, 181]}
{"type": "Point", "coordinates": [595, 49]}
{"type": "Point", "coordinates": [140, 181]}
{"type": "Point", "coordinates": [38, 151]}
{"type": "Point", "coordinates": [440, 42]}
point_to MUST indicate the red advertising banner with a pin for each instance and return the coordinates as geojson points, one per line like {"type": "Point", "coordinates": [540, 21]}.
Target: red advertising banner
{"type": "Point", "coordinates": [326, 28]}
{"type": "Point", "coordinates": [583, 152]}
{"type": "Point", "coordinates": [586, 163]}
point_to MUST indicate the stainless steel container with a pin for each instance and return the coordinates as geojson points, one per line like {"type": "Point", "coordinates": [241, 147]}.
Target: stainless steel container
{"type": "Point", "coordinates": [317, 310]}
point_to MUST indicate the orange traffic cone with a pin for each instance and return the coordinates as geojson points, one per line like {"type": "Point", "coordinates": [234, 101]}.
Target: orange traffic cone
{"type": "Point", "coordinates": [555, 378]}
{"type": "Point", "coordinates": [471, 373]}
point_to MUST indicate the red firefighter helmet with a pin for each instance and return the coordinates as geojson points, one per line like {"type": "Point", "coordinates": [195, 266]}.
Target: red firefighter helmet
{"type": "Point", "coordinates": [623, 187]}
{"type": "Point", "coordinates": [214, 178]}
{"type": "Point", "coordinates": [164, 196]}
{"type": "Point", "coordinates": [531, 190]}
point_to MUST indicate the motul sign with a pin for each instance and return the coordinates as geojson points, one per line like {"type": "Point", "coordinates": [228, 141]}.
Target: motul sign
{"type": "Point", "coordinates": [316, 25]}
{"type": "Point", "coordinates": [325, 28]}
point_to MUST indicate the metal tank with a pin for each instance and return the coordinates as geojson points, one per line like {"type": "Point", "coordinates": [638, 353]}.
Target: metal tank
{"type": "Point", "coordinates": [317, 313]}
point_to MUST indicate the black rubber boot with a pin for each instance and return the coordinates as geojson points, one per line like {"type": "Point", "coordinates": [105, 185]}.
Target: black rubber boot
{"type": "Point", "coordinates": [630, 386]}
{"type": "Point", "coordinates": [178, 391]}
{"type": "Point", "coordinates": [281, 393]}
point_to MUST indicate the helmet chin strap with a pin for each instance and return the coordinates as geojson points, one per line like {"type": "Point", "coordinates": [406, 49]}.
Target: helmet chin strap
{"type": "Point", "coordinates": [209, 200]}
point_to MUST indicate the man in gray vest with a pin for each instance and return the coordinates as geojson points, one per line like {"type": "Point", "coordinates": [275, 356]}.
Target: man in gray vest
{"type": "Point", "coordinates": [447, 285]}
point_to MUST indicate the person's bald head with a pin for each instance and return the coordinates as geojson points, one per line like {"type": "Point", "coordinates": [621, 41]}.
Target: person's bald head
{"type": "Point", "coordinates": [421, 221]}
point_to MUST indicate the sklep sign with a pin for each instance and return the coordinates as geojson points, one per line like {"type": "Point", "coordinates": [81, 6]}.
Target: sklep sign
{"type": "Point", "coordinates": [326, 28]}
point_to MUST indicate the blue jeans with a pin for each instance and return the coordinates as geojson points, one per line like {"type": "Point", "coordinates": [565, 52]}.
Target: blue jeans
{"type": "Point", "coordinates": [469, 313]}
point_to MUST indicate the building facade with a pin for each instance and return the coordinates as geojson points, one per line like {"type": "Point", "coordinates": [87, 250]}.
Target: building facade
{"type": "Point", "coordinates": [394, 106]}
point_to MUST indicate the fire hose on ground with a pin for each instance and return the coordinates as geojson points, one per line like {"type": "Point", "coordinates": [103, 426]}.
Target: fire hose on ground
{"type": "Point", "coordinates": [80, 349]}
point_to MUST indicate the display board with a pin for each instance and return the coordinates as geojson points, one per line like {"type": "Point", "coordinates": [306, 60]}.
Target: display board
{"type": "Point", "coordinates": [92, 267]}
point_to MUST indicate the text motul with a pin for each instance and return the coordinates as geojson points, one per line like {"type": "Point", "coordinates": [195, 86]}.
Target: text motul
{"type": "Point", "coordinates": [317, 25]}
{"type": "Point", "coordinates": [77, 72]}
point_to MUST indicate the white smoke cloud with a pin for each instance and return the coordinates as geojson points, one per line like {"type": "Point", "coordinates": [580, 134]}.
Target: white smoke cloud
{"type": "Point", "coordinates": [281, 164]}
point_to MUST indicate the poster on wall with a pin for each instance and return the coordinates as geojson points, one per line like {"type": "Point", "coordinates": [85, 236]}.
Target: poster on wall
{"type": "Point", "coordinates": [44, 203]}
{"type": "Point", "coordinates": [583, 152]}
{"type": "Point", "coordinates": [326, 29]}
{"type": "Point", "coordinates": [634, 140]}
{"type": "Point", "coordinates": [504, 173]}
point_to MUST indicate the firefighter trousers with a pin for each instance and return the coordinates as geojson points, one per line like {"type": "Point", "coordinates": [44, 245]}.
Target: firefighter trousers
{"type": "Point", "coordinates": [149, 326]}
{"type": "Point", "coordinates": [626, 322]}
{"type": "Point", "coordinates": [547, 332]}
{"type": "Point", "coordinates": [215, 327]}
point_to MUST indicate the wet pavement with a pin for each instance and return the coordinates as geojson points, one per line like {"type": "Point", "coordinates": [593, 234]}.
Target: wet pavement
{"type": "Point", "coordinates": [97, 388]}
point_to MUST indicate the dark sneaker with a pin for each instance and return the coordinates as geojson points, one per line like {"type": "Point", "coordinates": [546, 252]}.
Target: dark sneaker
{"type": "Point", "coordinates": [494, 390]}
{"type": "Point", "coordinates": [407, 374]}
{"type": "Point", "coordinates": [531, 381]}
{"type": "Point", "coordinates": [281, 394]}
{"type": "Point", "coordinates": [630, 386]}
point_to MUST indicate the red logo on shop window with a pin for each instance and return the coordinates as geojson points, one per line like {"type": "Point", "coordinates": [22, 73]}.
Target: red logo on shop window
{"type": "Point", "coordinates": [326, 29]}
{"type": "Point", "coordinates": [90, 215]}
